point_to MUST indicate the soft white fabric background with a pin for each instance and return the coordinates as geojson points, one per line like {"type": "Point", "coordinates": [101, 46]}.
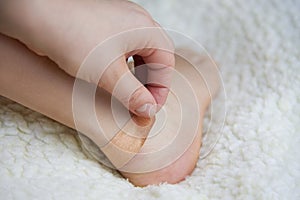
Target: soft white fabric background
{"type": "Point", "coordinates": [257, 44]}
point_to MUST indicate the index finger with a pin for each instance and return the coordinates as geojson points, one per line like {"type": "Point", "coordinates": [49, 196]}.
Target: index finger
{"type": "Point", "coordinates": [159, 67]}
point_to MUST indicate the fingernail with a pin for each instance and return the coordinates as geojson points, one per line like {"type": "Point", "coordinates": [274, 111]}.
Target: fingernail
{"type": "Point", "coordinates": [147, 110]}
{"type": "Point", "coordinates": [152, 111]}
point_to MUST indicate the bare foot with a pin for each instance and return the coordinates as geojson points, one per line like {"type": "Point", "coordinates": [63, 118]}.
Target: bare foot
{"type": "Point", "coordinates": [205, 86]}
{"type": "Point", "coordinates": [39, 84]}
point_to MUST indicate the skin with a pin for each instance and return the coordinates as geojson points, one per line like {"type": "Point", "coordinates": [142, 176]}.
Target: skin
{"type": "Point", "coordinates": [66, 31]}
{"type": "Point", "coordinates": [44, 44]}
{"type": "Point", "coordinates": [38, 83]}
{"type": "Point", "coordinates": [205, 87]}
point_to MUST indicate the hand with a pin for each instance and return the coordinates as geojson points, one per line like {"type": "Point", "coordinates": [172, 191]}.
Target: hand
{"type": "Point", "coordinates": [67, 30]}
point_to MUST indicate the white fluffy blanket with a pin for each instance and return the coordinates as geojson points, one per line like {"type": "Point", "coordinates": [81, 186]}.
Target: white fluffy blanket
{"type": "Point", "coordinates": [257, 44]}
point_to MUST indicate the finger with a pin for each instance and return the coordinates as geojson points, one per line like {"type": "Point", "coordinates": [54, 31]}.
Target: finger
{"type": "Point", "coordinates": [122, 84]}
{"type": "Point", "coordinates": [160, 94]}
{"type": "Point", "coordinates": [160, 65]}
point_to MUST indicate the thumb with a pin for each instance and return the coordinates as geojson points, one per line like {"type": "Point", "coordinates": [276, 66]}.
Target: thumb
{"type": "Point", "coordinates": [122, 84]}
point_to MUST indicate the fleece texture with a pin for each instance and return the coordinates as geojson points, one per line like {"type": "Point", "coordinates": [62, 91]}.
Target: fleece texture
{"type": "Point", "coordinates": [256, 43]}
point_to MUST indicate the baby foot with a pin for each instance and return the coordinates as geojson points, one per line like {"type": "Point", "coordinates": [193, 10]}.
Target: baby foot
{"type": "Point", "coordinates": [50, 93]}
{"type": "Point", "coordinates": [142, 170]}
